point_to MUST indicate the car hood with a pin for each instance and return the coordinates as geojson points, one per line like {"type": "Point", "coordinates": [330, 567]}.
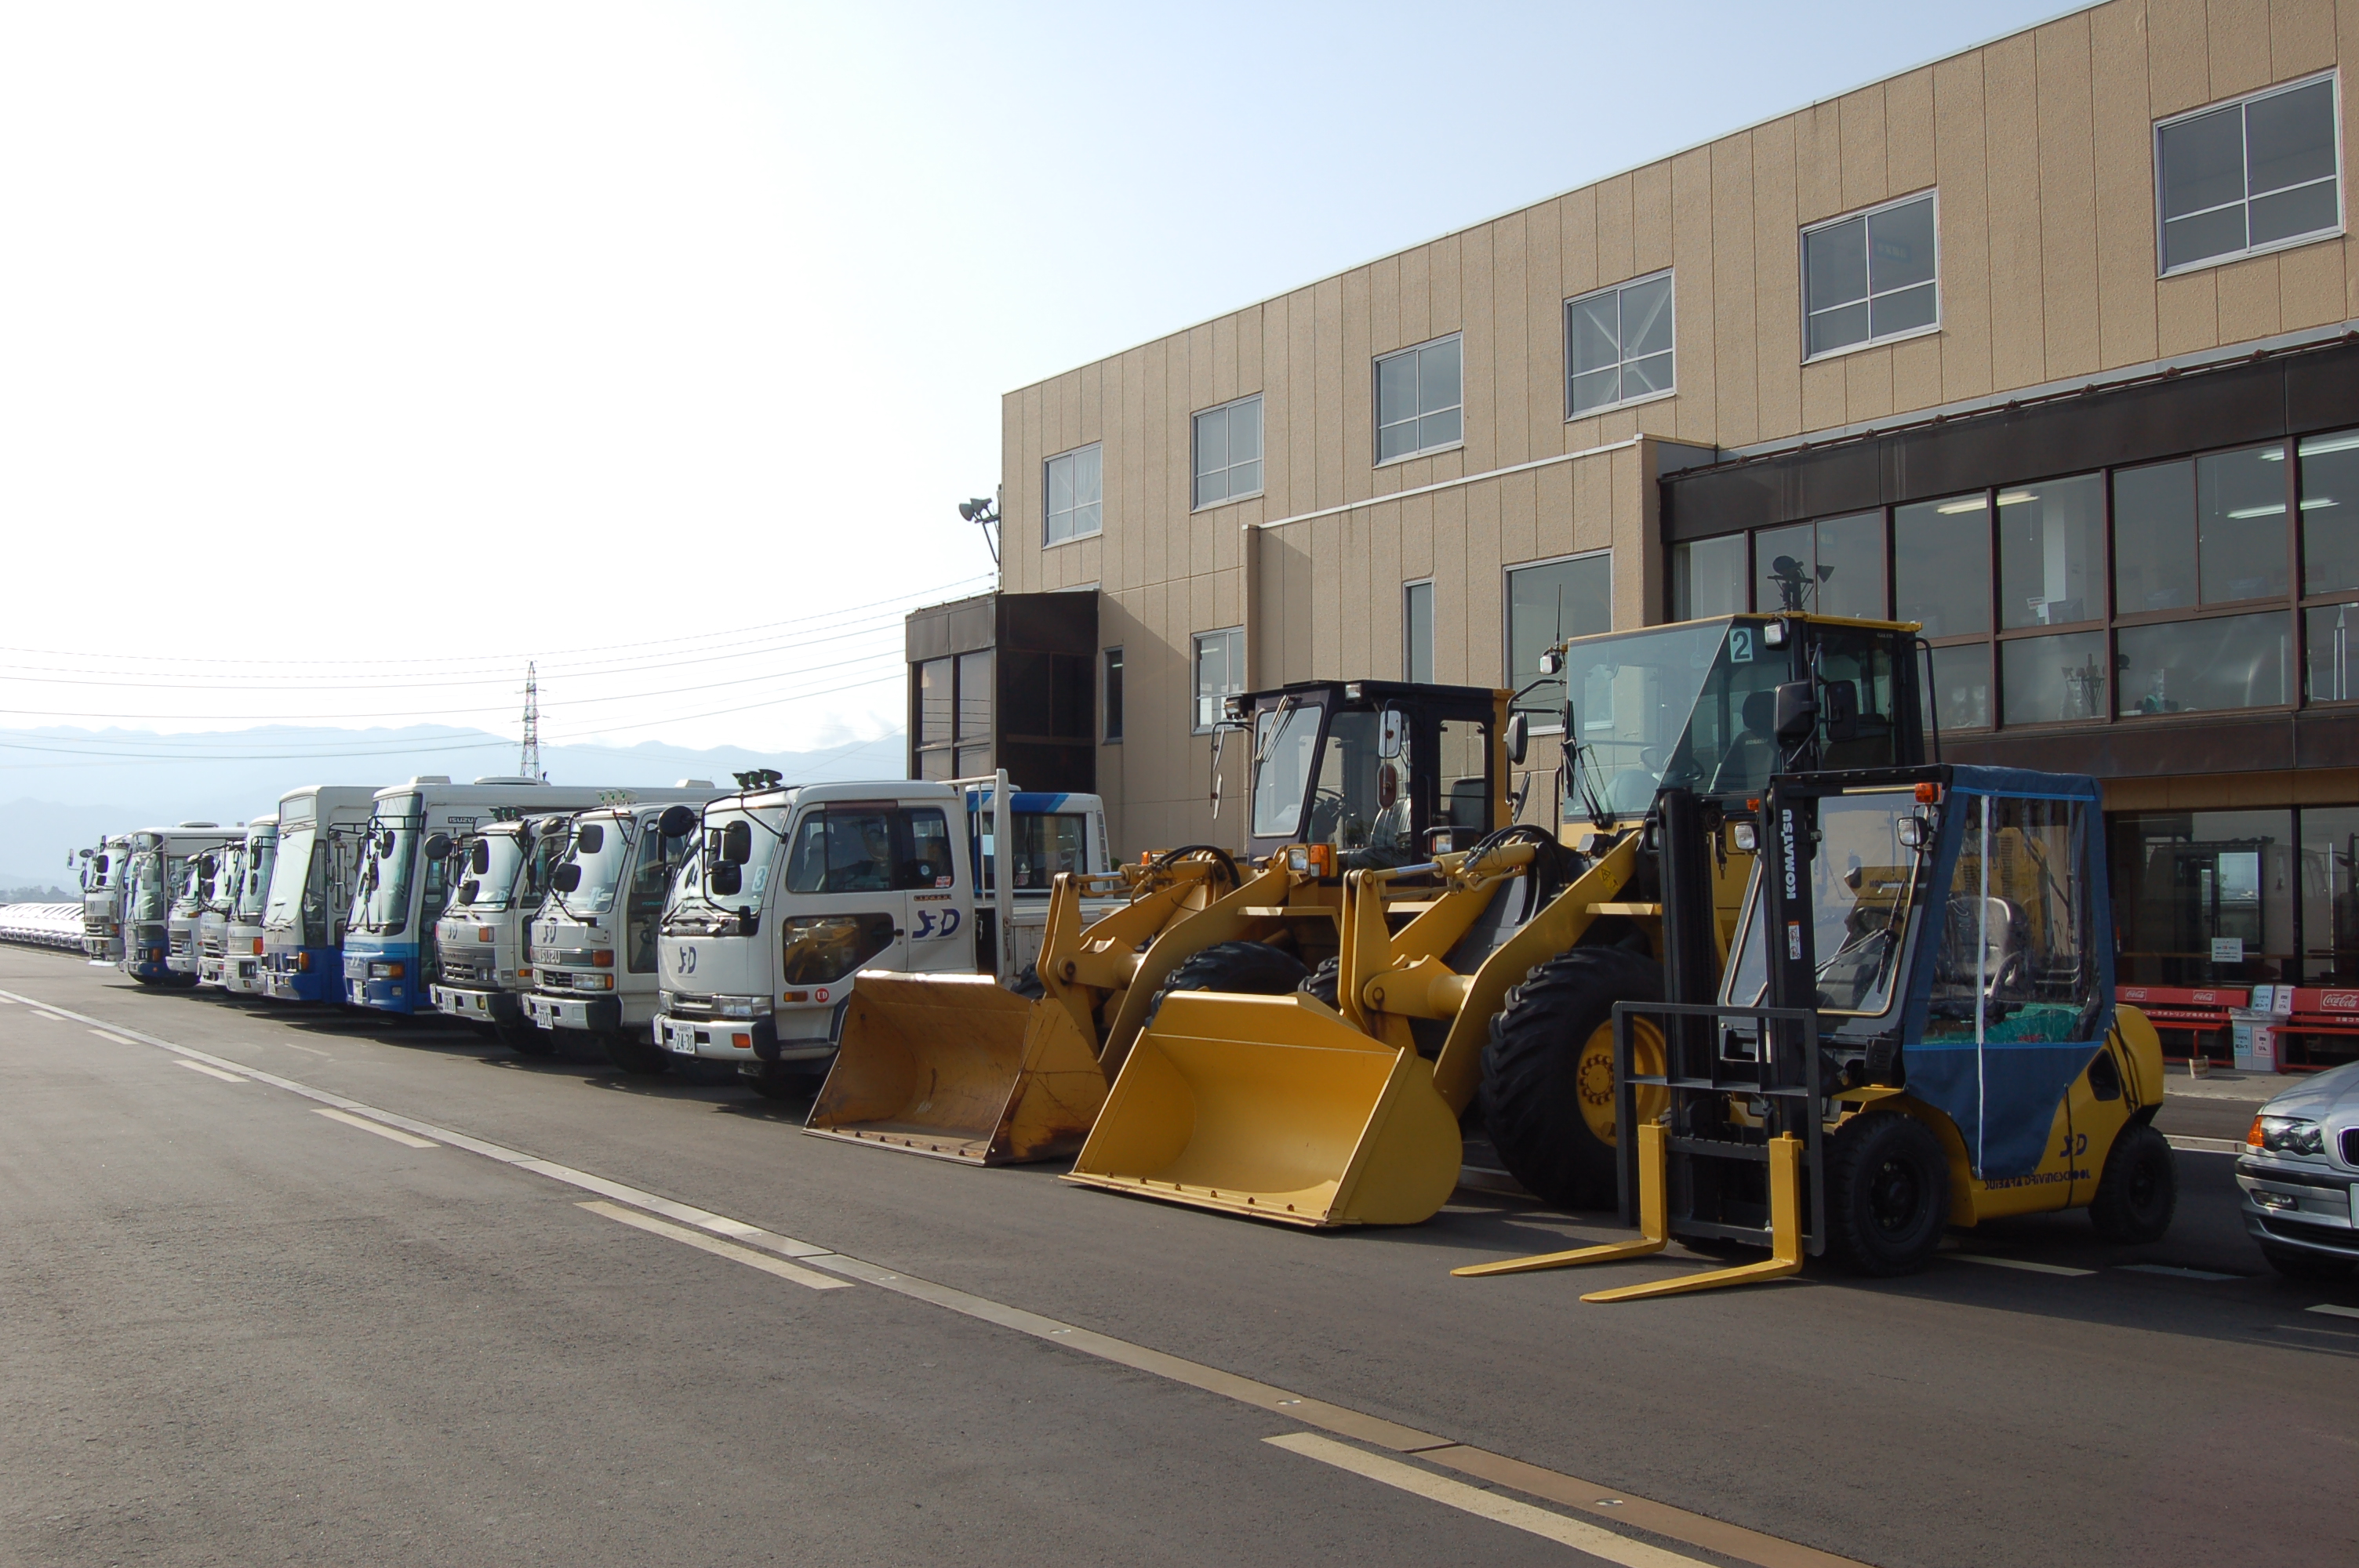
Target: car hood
{"type": "Point", "coordinates": [2335, 1090]}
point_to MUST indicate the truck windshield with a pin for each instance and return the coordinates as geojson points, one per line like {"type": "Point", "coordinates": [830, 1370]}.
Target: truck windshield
{"type": "Point", "coordinates": [1286, 745]}
{"type": "Point", "coordinates": [261, 854]}
{"type": "Point", "coordinates": [291, 874]}
{"type": "Point", "coordinates": [382, 902]}
{"type": "Point", "coordinates": [1691, 706]}
{"type": "Point", "coordinates": [221, 893]}
{"type": "Point", "coordinates": [147, 885]}
{"type": "Point", "coordinates": [761, 828]}
{"type": "Point", "coordinates": [192, 900]}
{"type": "Point", "coordinates": [495, 884]}
{"type": "Point", "coordinates": [601, 849]}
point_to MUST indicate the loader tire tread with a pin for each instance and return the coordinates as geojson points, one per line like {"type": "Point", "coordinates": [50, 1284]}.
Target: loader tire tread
{"type": "Point", "coordinates": [1323, 982]}
{"type": "Point", "coordinates": [1531, 1086]}
{"type": "Point", "coordinates": [2137, 1190]}
{"type": "Point", "coordinates": [1888, 1194]}
{"type": "Point", "coordinates": [1027, 983]}
{"type": "Point", "coordinates": [1242, 969]}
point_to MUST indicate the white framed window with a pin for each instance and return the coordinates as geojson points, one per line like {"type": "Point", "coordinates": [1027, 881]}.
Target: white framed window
{"type": "Point", "coordinates": [1417, 631]}
{"type": "Point", "coordinates": [1228, 452]}
{"type": "Point", "coordinates": [1218, 659]}
{"type": "Point", "coordinates": [1547, 602]}
{"type": "Point", "coordinates": [2258, 174]}
{"type": "Point", "coordinates": [1073, 494]}
{"type": "Point", "coordinates": [1419, 400]}
{"type": "Point", "coordinates": [1618, 345]}
{"type": "Point", "coordinates": [1871, 277]}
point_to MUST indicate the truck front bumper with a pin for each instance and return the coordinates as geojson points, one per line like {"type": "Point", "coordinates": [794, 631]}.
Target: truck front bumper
{"type": "Point", "coordinates": [478, 1006]}
{"type": "Point", "coordinates": [590, 1014]}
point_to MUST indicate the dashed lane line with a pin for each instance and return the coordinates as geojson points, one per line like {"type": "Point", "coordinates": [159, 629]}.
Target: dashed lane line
{"type": "Point", "coordinates": [2175, 1270]}
{"type": "Point", "coordinates": [2025, 1264]}
{"type": "Point", "coordinates": [1662, 1519]}
{"type": "Point", "coordinates": [2203, 1145]}
{"type": "Point", "coordinates": [349, 1119]}
{"type": "Point", "coordinates": [1603, 1544]}
{"type": "Point", "coordinates": [719, 1248]}
{"type": "Point", "coordinates": [2332, 1311]}
{"type": "Point", "coordinates": [210, 1072]}
{"type": "Point", "coordinates": [119, 1040]}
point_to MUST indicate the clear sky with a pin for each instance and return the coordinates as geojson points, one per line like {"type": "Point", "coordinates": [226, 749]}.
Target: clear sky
{"type": "Point", "coordinates": [352, 356]}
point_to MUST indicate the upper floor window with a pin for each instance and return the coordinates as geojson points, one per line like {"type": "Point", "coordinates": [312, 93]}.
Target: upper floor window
{"type": "Point", "coordinates": [1547, 602]}
{"type": "Point", "coordinates": [1228, 451]}
{"type": "Point", "coordinates": [1618, 345]}
{"type": "Point", "coordinates": [2254, 175]}
{"type": "Point", "coordinates": [1418, 400]}
{"type": "Point", "coordinates": [1074, 491]}
{"type": "Point", "coordinates": [1220, 664]}
{"type": "Point", "coordinates": [1870, 277]}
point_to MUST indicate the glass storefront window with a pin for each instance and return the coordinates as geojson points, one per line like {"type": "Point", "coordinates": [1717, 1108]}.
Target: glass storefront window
{"type": "Point", "coordinates": [2154, 538]}
{"type": "Point", "coordinates": [2329, 639]}
{"type": "Point", "coordinates": [1708, 578]}
{"type": "Point", "coordinates": [2188, 884]}
{"type": "Point", "coordinates": [2051, 552]}
{"type": "Point", "coordinates": [1941, 565]}
{"type": "Point", "coordinates": [1850, 554]}
{"type": "Point", "coordinates": [2330, 512]}
{"type": "Point", "coordinates": [2193, 667]}
{"type": "Point", "coordinates": [2054, 681]}
{"type": "Point", "coordinates": [1961, 686]}
{"type": "Point", "coordinates": [2330, 896]}
{"type": "Point", "coordinates": [2240, 502]}
{"type": "Point", "coordinates": [1782, 569]}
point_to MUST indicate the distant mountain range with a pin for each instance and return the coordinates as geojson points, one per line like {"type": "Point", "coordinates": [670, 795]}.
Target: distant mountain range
{"type": "Point", "coordinates": [71, 787]}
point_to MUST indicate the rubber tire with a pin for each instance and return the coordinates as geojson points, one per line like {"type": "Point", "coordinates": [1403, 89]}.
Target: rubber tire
{"type": "Point", "coordinates": [1531, 1079]}
{"type": "Point", "coordinates": [2137, 1190]}
{"type": "Point", "coordinates": [1027, 983]}
{"type": "Point", "coordinates": [641, 1057]}
{"type": "Point", "coordinates": [527, 1039]}
{"type": "Point", "coordinates": [1239, 968]}
{"type": "Point", "coordinates": [1324, 982]}
{"type": "Point", "coordinates": [1858, 1156]}
{"type": "Point", "coordinates": [774, 1082]}
{"type": "Point", "coordinates": [2296, 1265]}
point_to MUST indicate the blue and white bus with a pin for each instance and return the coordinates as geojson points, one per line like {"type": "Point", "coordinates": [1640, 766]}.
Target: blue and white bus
{"type": "Point", "coordinates": [319, 829]}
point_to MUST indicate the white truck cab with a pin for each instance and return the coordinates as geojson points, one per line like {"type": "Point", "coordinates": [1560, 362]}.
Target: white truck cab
{"type": "Point", "coordinates": [483, 943]}
{"type": "Point", "coordinates": [242, 931]}
{"type": "Point", "coordinates": [105, 871]}
{"type": "Point", "coordinates": [788, 892]}
{"type": "Point", "coordinates": [596, 938]}
{"type": "Point", "coordinates": [213, 917]}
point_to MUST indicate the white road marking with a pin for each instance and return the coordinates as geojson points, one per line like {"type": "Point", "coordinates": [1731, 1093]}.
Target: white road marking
{"type": "Point", "coordinates": [118, 1039]}
{"type": "Point", "coordinates": [2332, 1311]}
{"type": "Point", "coordinates": [366, 1125]}
{"type": "Point", "coordinates": [2175, 1271]}
{"type": "Point", "coordinates": [52, 1017]}
{"type": "Point", "coordinates": [702, 1243]}
{"type": "Point", "coordinates": [1583, 1537]}
{"type": "Point", "coordinates": [2022, 1264]}
{"type": "Point", "coordinates": [292, 1046]}
{"type": "Point", "coordinates": [209, 1072]}
{"type": "Point", "coordinates": [2204, 1145]}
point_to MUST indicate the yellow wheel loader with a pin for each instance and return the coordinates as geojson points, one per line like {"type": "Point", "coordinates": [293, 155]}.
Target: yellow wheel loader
{"type": "Point", "coordinates": [1497, 985]}
{"type": "Point", "coordinates": [961, 1068]}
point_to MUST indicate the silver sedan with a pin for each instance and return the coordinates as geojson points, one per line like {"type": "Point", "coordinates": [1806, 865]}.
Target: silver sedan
{"type": "Point", "coordinates": [2299, 1172]}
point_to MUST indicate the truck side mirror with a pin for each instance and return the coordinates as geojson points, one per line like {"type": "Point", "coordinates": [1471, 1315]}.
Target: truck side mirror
{"type": "Point", "coordinates": [568, 876]}
{"type": "Point", "coordinates": [677, 822]}
{"type": "Point", "coordinates": [1519, 739]}
{"type": "Point", "coordinates": [589, 839]}
{"type": "Point", "coordinates": [724, 879]}
{"type": "Point", "coordinates": [1840, 719]}
{"type": "Point", "coordinates": [437, 846]}
{"type": "Point", "coordinates": [1797, 712]}
{"type": "Point", "coordinates": [479, 863]}
{"type": "Point", "coordinates": [737, 843]}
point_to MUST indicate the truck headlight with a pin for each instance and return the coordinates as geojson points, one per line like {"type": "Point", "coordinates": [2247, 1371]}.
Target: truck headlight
{"type": "Point", "coordinates": [385, 971]}
{"type": "Point", "coordinates": [740, 1006]}
{"type": "Point", "coordinates": [2286, 1135]}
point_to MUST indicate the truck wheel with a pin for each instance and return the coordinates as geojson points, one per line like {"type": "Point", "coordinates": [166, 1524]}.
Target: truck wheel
{"type": "Point", "coordinates": [1888, 1194]}
{"type": "Point", "coordinates": [528, 1038]}
{"type": "Point", "coordinates": [1241, 969]}
{"type": "Point", "coordinates": [1547, 1072]}
{"type": "Point", "coordinates": [1027, 983]}
{"type": "Point", "coordinates": [2138, 1190]}
{"type": "Point", "coordinates": [2296, 1265]}
{"type": "Point", "coordinates": [637, 1055]}
{"type": "Point", "coordinates": [777, 1081]}
{"type": "Point", "coordinates": [1325, 982]}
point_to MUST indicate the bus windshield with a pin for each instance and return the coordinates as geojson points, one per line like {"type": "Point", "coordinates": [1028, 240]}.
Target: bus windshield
{"type": "Point", "coordinates": [255, 887]}
{"type": "Point", "coordinates": [382, 902]}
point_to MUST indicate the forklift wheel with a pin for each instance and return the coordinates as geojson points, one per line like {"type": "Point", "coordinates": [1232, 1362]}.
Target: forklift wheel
{"type": "Point", "coordinates": [2138, 1190]}
{"type": "Point", "coordinates": [1888, 1194]}
{"type": "Point", "coordinates": [1242, 969]}
{"type": "Point", "coordinates": [1547, 1101]}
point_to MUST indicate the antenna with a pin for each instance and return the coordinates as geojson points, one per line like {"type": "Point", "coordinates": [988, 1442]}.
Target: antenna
{"type": "Point", "coordinates": [528, 762]}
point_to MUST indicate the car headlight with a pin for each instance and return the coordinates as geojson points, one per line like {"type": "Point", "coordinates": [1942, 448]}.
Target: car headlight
{"type": "Point", "coordinates": [2285, 1135]}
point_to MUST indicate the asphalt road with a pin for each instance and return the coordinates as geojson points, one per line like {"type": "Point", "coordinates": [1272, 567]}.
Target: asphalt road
{"type": "Point", "coordinates": [238, 1330]}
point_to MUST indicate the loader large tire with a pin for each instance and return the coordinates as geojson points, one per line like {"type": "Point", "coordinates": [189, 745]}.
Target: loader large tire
{"type": "Point", "coordinates": [2137, 1191]}
{"type": "Point", "coordinates": [1027, 983]}
{"type": "Point", "coordinates": [1548, 1103]}
{"type": "Point", "coordinates": [1888, 1194]}
{"type": "Point", "coordinates": [1243, 968]}
{"type": "Point", "coordinates": [1324, 982]}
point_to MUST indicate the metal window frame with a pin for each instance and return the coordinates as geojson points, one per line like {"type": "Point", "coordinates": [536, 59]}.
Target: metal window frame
{"type": "Point", "coordinates": [1109, 734]}
{"type": "Point", "coordinates": [1508, 614]}
{"type": "Point", "coordinates": [1802, 269]}
{"type": "Point", "coordinates": [1196, 473]}
{"type": "Point", "coordinates": [1427, 583]}
{"type": "Point", "coordinates": [1571, 414]}
{"type": "Point", "coordinates": [1053, 458]}
{"type": "Point", "coordinates": [1375, 405]}
{"type": "Point", "coordinates": [1195, 668]}
{"type": "Point", "coordinates": [2245, 101]}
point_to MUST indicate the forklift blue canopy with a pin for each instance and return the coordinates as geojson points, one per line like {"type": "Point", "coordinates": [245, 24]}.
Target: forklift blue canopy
{"type": "Point", "coordinates": [2013, 993]}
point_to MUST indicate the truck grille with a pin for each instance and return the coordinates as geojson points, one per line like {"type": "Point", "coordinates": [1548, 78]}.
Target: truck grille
{"type": "Point", "coordinates": [179, 944]}
{"type": "Point", "coordinates": [213, 946]}
{"type": "Point", "coordinates": [460, 973]}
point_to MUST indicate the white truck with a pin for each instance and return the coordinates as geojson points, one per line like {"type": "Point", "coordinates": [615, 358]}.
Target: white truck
{"type": "Point", "coordinates": [595, 940]}
{"type": "Point", "coordinates": [241, 956]}
{"type": "Point", "coordinates": [221, 890]}
{"type": "Point", "coordinates": [159, 881]}
{"type": "Point", "coordinates": [483, 943]}
{"type": "Point", "coordinates": [105, 869]}
{"type": "Point", "coordinates": [791, 891]}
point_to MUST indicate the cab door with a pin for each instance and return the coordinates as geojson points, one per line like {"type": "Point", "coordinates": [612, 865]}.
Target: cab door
{"type": "Point", "coordinates": [942, 907]}
{"type": "Point", "coordinates": [842, 909]}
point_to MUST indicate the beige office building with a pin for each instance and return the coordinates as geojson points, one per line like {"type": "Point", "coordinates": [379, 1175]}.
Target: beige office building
{"type": "Point", "coordinates": [2051, 345]}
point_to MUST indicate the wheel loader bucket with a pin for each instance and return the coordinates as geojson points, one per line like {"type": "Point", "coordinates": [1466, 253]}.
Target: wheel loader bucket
{"type": "Point", "coordinates": [1273, 1107]}
{"type": "Point", "coordinates": [959, 1068]}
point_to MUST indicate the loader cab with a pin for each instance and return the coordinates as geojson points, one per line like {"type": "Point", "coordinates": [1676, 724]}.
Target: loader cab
{"type": "Point", "coordinates": [1381, 773]}
{"type": "Point", "coordinates": [1717, 707]}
